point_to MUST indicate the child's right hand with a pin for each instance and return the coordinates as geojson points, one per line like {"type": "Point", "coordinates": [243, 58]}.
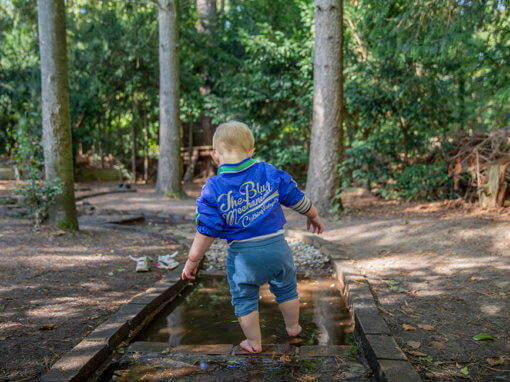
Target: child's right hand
{"type": "Point", "coordinates": [316, 223]}
{"type": "Point", "coordinates": [190, 269]}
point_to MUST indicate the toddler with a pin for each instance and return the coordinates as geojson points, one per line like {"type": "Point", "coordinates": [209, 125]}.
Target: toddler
{"type": "Point", "coordinates": [242, 204]}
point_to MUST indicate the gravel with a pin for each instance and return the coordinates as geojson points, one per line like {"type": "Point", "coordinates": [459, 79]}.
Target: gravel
{"type": "Point", "coordinates": [306, 257]}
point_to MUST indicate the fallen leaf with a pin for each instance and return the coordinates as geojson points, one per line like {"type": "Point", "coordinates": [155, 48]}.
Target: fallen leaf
{"type": "Point", "coordinates": [110, 273]}
{"type": "Point", "coordinates": [121, 269]}
{"type": "Point", "coordinates": [408, 327]}
{"type": "Point", "coordinates": [425, 327]}
{"type": "Point", "coordinates": [482, 337]}
{"type": "Point", "coordinates": [417, 353]}
{"type": "Point", "coordinates": [47, 327]}
{"type": "Point", "coordinates": [414, 344]}
{"type": "Point", "coordinates": [285, 358]}
{"type": "Point", "coordinates": [438, 345]}
{"type": "Point", "coordinates": [427, 358]}
{"type": "Point", "coordinates": [295, 341]}
{"type": "Point", "coordinates": [495, 361]}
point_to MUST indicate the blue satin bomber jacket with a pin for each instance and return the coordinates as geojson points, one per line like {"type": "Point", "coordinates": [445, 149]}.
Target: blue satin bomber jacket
{"type": "Point", "coordinates": [244, 200]}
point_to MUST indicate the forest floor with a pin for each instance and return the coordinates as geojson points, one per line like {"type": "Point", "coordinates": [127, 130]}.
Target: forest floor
{"type": "Point", "coordinates": [439, 271]}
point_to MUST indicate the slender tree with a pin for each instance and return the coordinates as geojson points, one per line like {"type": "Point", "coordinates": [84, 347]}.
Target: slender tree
{"type": "Point", "coordinates": [323, 179]}
{"type": "Point", "coordinates": [169, 165]}
{"type": "Point", "coordinates": [206, 11]}
{"type": "Point", "coordinates": [57, 143]}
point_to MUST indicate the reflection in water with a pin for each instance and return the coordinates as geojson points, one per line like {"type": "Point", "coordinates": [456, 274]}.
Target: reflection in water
{"type": "Point", "coordinates": [206, 316]}
{"type": "Point", "coordinates": [174, 327]}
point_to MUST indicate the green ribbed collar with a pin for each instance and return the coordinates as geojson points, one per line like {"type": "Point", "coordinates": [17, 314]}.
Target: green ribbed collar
{"type": "Point", "coordinates": [236, 167]}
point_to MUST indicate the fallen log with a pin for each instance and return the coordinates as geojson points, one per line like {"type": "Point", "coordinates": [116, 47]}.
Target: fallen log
{"type": "Point", "coordinates": [91, 195]}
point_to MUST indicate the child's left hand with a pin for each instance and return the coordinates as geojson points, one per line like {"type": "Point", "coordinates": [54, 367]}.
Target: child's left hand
{"type": "Point", "coordinates": [190, 269]}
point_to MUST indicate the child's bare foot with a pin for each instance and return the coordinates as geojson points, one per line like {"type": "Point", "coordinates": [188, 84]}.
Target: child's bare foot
{"type": "Point", "coordinates": [293, 332]}
{"type": "Point", "coordinates": [245, 345]}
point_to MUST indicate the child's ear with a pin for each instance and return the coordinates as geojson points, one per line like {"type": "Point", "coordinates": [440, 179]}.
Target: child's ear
{"type": "Point", "coordinates": [252, 151]}
{"type": "Point", "coordinates": [215, 157]}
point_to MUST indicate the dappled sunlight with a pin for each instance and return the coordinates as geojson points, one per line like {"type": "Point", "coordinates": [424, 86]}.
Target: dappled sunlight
{"type": "Point", "coordinates": [491, 309]}
{"type": "Point", "coordinates": [55, 310]}
{"type": "Point", "coordinates": [429, 292]}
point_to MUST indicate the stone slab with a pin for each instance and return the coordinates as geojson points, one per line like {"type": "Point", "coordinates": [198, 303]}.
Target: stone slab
{"type": "Point", "coordinates": [148, 347]}
{"type": "Point", "coordinates": [175, 274]}
{"type": "Point", "coordinates": [358, 289]}
{"type": "Point", "coordinates": [276, 349]}
{"type": "Point", "coordinates": [217, 349]}
{"type": "Point", "coordinates": [78, 363]}
{"type": "Point", "coordinates": [396, 371]}
{"type": "Point", "coordinates": [382, 346]}
{"type": "Point", "coordinates": [344, 268]}
{"type": "Point", "coordinates": [113, 331]}
{"type": "Point", "coordinates": [323, 350]}
{"type": "Point", "coordinates": [145, 298]}
{"type": "Point", "coordinates": [318, 242]}
{"type": "Point", "coordinates": [333, 252]}
{"type": "Point", "coordinates": [132, 314]}
{"type": "Point", "coordinates": [155, 299]}
{"type": "Point", "coordinates": [368, 321]}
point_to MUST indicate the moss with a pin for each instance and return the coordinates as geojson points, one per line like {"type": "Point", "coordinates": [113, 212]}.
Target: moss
{"type": "Point", "coordinates": [67, 225]}
{"type": "Point", "coordinates": [175, 194]}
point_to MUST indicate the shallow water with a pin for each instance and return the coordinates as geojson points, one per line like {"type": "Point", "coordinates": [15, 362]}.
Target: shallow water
{"type": "Point", "coordinates": [204, 315]}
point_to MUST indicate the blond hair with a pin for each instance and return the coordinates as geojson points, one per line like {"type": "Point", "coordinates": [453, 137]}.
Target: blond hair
{"type": "Point", "coordinates": [233, 135]}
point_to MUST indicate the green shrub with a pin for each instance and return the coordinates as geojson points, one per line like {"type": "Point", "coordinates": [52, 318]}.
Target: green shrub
{"type": "Point", "coordinates": [373, 165]}
{"type": "Point", "coordinates": [38, 196]}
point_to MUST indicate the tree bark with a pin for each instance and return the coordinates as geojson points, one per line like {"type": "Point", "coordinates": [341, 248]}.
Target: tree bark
{"type": "Point", "coordinates": [206, 11]}
{"type": "Point", "coordinates": [145, 149]}
{"type": "Point", "coordinates": [323, 178]}
{"type": "Point", "coordinates": [133, 151]}
{"type": "Point", "coordinates": [169, 165]}
{"type": "Point", "coordinates": [56, 120]}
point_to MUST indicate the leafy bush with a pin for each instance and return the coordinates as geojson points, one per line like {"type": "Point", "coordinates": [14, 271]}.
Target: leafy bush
{"type": "Point", "coordinates": [38, 196]}
{"type": "Point", "coordinates": [420, 181]}
{"type": "Point", "coordinates": [367, 165]}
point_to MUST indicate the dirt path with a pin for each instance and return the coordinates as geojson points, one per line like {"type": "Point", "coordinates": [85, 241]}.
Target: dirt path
{"type": "Point", "coordinates": [56, 287]}
{"type": "Point", "coordinates": [440, 273]}
{"type": "Point", "coordinates": [440, 277]}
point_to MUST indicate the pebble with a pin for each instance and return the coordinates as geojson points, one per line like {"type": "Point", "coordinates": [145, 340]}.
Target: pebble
{"type": "Point", "coordinates": [306, 257]}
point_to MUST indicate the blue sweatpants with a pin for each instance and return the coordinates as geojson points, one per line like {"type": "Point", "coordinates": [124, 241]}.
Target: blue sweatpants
{"type": "Point", "coordinates": [251, 264]}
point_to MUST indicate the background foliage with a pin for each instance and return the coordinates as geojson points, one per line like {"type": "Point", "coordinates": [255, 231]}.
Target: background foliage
{"type": "Point", "coordinates": [417, 74]}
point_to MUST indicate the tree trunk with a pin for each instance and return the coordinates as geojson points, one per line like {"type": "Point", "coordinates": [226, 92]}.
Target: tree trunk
{"type": "Point", "coordinates": [56, 121]}
{"type": "Point", "coordinates": [323, 179]}
{"type": "Point", "coordinates": [169, 165]}
{"type": "Point", "coordinates": [145, 149]}
{"type": "Point", "coordinates": [206, 10]}
{"type": "Point", "coordinates": [133, 151]}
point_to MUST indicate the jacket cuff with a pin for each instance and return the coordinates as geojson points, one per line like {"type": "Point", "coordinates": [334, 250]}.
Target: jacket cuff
{"type": "Point", "coordinates": [207, 231]}
{"type": "Point", "coordinates": [303, 206]}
